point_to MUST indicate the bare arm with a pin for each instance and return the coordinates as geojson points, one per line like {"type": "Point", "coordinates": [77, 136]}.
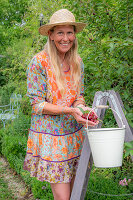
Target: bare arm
{"type": "Point", "coordinates": [52, 109]}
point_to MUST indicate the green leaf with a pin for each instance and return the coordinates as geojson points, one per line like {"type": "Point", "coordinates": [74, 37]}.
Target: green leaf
{"type": "Point", "coordinates": [129, 144]}
{"type": "Point", "coordinates": [127, 153]}
{"type": "Point", "coordinates": [131, 152]}
{"type": "Point", "coordinates": [81, 109]}
{"type": "Point", "coordinates": [87, 111]}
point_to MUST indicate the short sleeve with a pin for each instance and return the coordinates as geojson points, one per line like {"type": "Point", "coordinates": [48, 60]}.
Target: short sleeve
{"type": "Point", "coordinates": [36, 85]}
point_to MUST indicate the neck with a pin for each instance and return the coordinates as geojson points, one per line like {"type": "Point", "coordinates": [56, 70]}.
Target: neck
{"type": "Point", "coordinates": [62, 57]}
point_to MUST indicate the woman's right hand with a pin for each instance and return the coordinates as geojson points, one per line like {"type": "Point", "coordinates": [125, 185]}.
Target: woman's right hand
{"type": "Point", "coordinates": [77, 114]}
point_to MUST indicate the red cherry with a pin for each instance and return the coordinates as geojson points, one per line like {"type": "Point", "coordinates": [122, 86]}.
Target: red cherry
{"type": "Point", "coordinates": [92, 117]}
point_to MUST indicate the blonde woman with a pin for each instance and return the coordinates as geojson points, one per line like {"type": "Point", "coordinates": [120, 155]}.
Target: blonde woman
{"type": "Point", "coordinates": [56, 87]}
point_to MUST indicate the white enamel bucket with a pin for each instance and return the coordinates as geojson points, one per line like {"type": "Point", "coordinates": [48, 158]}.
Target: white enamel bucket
{"type": "Point", "coordinates": [107, 145]}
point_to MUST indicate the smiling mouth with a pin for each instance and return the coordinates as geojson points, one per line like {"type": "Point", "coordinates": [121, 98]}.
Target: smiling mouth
{"type": "Point", "coordinates": [65, 44]}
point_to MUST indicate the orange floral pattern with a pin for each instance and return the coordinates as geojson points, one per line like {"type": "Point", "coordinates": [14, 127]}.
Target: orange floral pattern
{"type": "Point", "coordinates": [54, 141]}
{"type": "Point", "coordinates": [30, 143]}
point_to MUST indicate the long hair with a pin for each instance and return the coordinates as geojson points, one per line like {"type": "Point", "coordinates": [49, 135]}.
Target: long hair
{"type": "Point", "coordinates": [72, 58]}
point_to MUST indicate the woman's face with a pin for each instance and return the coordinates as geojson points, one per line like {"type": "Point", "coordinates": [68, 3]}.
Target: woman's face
{"type": "Point", "coordinates": [63, 37]}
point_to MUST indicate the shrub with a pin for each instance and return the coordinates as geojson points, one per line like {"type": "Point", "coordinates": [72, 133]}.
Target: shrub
{"type": "Point", "coordinates": [106, 181]}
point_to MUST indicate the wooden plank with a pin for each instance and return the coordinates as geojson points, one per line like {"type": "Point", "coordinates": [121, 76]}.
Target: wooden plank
{"type": "Point", "coordinates": [87, 176]}
{"type": "Point", "coordinates": [120, 100]}
{"type": "Point", "coordinates": [119, 105]}
{"type": "Point", "coordinates": [79, 187]}
{"type": "Point", "coordinates": [101, 101]}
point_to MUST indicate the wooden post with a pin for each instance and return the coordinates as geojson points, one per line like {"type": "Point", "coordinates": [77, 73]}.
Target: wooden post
{"type": "Point", "coordinates": [83, 172]}
{"type": "Point", "coordinates": [85, 162]}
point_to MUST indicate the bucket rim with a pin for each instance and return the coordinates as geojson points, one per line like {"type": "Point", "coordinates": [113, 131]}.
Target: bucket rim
{"type": "Point", "coordinates": [104, 129]}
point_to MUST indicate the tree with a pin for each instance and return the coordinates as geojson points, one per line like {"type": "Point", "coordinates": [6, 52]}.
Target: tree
{"type": "Point", "coordinates": [105, 44]}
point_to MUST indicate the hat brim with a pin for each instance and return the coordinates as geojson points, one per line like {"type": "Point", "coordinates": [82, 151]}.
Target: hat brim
{"type": "Point", "coordinates": [43, 30]}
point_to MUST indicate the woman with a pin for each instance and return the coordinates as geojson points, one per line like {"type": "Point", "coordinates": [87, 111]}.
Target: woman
{"type": "Point", "coordinates": [55, 88]}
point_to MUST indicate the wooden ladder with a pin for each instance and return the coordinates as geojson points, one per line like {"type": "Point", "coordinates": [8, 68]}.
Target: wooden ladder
{"type": "Point", "coordinates": [86, 161]}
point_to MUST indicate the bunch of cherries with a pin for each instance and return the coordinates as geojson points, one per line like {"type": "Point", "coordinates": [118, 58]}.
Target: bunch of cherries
{"type": "Point", "coordinates": [92, 117]}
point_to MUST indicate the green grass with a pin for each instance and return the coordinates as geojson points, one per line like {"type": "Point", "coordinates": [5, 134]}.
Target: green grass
{"type": "Point", "coordinates": [5, 193]}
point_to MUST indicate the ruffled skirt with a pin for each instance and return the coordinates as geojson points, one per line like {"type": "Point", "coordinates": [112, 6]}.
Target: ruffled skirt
{"type": "Point", "coordinates": [52, 172]}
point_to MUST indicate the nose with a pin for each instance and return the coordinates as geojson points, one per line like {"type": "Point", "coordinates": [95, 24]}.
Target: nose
{"type": "Point", "coordinates": [65, 38]}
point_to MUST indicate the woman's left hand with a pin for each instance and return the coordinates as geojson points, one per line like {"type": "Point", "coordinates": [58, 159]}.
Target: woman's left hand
{"type": "Point", "coordinates": [86, 108]}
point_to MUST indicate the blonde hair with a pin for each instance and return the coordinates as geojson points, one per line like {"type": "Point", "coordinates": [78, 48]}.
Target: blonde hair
{"type": "Point", "coordinates": [73, 59]}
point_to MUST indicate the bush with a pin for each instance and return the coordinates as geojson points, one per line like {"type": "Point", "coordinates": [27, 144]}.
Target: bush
{"type": "Point", "coordinates": [105, 46]}
{"type": "Point", "coordinates": [13, 143]}
{"type": "Point", "coordinates": [105, 182]}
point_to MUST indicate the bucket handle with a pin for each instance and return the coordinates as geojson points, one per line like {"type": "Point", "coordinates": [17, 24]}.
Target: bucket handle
{"type": "Point", "coordinates": [101, 107]}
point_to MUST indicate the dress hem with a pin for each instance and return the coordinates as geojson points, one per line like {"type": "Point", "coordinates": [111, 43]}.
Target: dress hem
{"type": "Point", "coordinates": [59, 172]}
{"type": "Point", "coordinates": [39, 179]}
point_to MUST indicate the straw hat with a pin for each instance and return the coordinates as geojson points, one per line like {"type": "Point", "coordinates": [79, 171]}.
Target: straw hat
{"type": "Point", "coordinates": [61, 17]}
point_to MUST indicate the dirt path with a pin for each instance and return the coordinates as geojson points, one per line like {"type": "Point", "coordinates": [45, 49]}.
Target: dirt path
{"type": "Point", "coordinates": [15, 184]}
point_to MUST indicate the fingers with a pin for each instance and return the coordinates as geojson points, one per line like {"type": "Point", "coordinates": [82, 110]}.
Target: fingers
{"type": "Point", "coordinates": [83, 121]}
{"type": "Point", "coordinates": [78, 116]}
{"type": "Point", "coordinates": [90, 123]}
{"type": "Point", "coordinates": [78, 111]}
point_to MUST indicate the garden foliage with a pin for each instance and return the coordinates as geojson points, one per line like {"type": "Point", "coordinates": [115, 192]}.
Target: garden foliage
{"type": "Point", "coordinates": [105, 46]}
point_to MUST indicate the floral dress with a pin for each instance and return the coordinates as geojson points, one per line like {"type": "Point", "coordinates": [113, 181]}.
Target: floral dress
{"type": "Point", "coordinates": [55, 141]}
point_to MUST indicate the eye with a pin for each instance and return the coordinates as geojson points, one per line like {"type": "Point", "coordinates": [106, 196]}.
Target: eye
{"type": "Point", "coordinates": [70, 33]}
{"type": "Point", "coordinates": [60, 33]}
